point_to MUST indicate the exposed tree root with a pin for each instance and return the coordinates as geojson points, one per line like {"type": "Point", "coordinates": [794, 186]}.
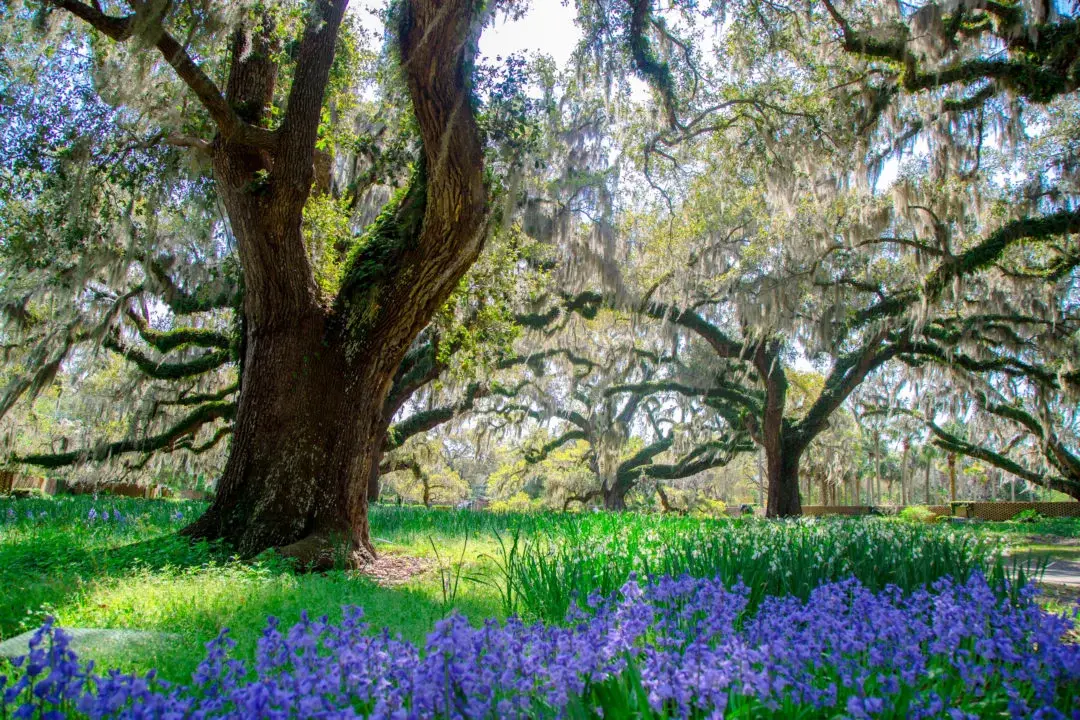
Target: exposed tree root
{"type": "Point", "coordinates": [321, 551]}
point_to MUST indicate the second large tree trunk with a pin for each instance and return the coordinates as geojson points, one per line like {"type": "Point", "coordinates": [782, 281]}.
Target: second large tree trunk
{"type": "Point", "coordinates": [615, 497]}
{"type": "Point", "coordinates": [783, 449]}
{"type": "Point", "coordinates": [783, 473]}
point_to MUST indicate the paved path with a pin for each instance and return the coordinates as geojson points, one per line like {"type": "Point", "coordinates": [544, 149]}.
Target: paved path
{"type": "Point", "coordinates": [1063, 572]}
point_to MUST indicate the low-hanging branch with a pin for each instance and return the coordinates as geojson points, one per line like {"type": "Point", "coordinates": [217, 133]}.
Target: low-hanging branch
{"type": "Point", "coordinates": [952, 443]}
{"type": "Point", "coordinates": [709, 455]}
{"type": "Point", "coordinates": [419, 367]}
{"type": "Point", "coordinates": [221, 433]}
{"type": "Point", "coordinates": [426, 361]}
{"type": "Point", "coordinates": [981, 256]}
{"type": "Point", "coordinates": [165, 341]}
{"type": "Point", "coordinates": [426, 420]}
{"type": "Point", "coordinates": [749, 399]}
{"type": "Point", "coordinates": [186, 426]}
{"type": "Point", "coordinates": [1067, 462]}
{"type": "Point", "coordinates": [1068, 481]}
{"type": "Point", "coordinates": [184, 302]}
{"type": "Point", "coordinates": [200, 398]}
{"type": "Point", "coordinates": [168, 370]}
{"type": "Point", "coordinates": [541, 453]}
{"type": "Point", "coordinates": [917, 352]}
{"type": "Point", "coordinates": [645, 455]}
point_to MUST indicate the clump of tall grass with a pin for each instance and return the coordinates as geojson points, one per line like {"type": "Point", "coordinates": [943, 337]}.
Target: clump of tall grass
{"type": "Point", "coordinates": [793, 557]}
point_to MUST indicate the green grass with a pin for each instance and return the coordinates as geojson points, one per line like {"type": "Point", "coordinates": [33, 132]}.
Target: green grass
{"type": "Point", "coordinates": [135, 574]}
{"type": "Point", "coordinates": [1055, 527]}
{"type": "Point", "coordinates": [545, 573]}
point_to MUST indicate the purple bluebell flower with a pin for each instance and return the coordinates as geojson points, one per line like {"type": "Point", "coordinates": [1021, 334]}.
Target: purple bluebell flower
{"type": "Point", "coordinates": [689, 646]}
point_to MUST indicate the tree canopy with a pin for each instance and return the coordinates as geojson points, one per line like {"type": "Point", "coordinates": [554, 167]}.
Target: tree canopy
{"type": "Point", "coordinates": [288, 249]}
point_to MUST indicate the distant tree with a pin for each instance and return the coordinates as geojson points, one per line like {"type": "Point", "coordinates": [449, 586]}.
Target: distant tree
{"type": "Point", "coordinates": [421, 472]}
{"type": "Point", "coordinates": [593, 386]}
{"type": "Point", "coordinates": [778, 243]}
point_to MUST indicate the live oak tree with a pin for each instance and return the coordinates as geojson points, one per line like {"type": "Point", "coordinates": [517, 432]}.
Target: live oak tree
{"type": "Point", "coordinates": [315, 367]}
{"type": "Point", "coordinates": [458, 342]}
{"type": "Point", "coordinates": [979, 75]}
{"type": "Point", "coordinates": [808, 257]}
{"type": "Point", "coordinates": [590, 380]}
{"type": "Point", "coordinates": [421, 472]}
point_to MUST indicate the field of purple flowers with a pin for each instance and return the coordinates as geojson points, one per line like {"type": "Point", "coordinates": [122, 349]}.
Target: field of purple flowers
{"type": "Point", "coordinates": [796, 619]}
{"type": "Point", "coordinates": [681, 647]}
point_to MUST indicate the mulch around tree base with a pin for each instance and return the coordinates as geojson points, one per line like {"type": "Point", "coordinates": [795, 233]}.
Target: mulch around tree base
{"type": "Point", "coordinates": [391, 570]}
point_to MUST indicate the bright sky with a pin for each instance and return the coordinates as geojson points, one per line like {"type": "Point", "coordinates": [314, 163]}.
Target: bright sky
{"type": "Point", "coordinates": [548, 27]}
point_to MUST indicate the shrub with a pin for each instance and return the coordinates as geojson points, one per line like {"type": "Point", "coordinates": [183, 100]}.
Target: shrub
{"type": "Point", "coordinates": [707, 507]}
{"type": "Point", "coordinates": [517, 503]}
{"type": "Point", "coordinates": [918, 514]}
{"type": "Point", "coordinates": [1030, 515]}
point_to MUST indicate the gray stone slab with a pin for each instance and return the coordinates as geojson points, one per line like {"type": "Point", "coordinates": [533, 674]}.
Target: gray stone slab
{"type": "Point", "coordinates": [90, 642]}
{"type": "Point", "coordinates": [1062, 572]}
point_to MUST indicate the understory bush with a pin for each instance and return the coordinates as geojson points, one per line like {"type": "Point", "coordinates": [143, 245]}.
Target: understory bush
{"type": "Point", "coordinates": [1028, 516]}
{"type": "Point", "coordinates": [918, 514]}
{"type": "Point", "coordinates": [682, 647]}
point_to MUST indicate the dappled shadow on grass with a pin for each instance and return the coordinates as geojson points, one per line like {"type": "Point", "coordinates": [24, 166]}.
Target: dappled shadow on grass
{"type": "Point", "coordinates": [143, 576]}
{"type": "Point", "coordinates": [45, 569]}
{"type": "Point", "coordinates": [198, 603]}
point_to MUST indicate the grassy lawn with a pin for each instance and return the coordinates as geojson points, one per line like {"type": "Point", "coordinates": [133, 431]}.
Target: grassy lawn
{"type": "Point", "coordinates": [1044, 540]}
{"type": "Point", "coordinates": [130, 572]}
{"type": "Point", "coordinates": [1063, 529]}
{"type": "Point", "coordinates": [61, 557]}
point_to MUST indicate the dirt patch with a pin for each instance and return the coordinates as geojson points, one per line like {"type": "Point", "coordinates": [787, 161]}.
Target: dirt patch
{"type": "Point", "coordinates": [392, 570]}
{"type": "Point", "coordinates": [1065, 594]}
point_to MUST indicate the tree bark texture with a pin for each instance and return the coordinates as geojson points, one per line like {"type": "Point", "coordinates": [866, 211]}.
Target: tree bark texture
{"type": "Point", "coordinates": [783, 447]}
{"type": "Point", "coordinates": [615, 497]}
{"type": "Point", "coordinates": [309, 423]}
{"type": "Point", "coordinates": [783, 473]}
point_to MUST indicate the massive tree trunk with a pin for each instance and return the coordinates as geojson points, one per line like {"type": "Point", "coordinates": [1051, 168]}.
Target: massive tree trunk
{"type": "Point", "coordinates": [302, 431]}
{"type": "Point", "coordinates": [308, 417]}
{"type": "Point", "coordinates": [309, 422]}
